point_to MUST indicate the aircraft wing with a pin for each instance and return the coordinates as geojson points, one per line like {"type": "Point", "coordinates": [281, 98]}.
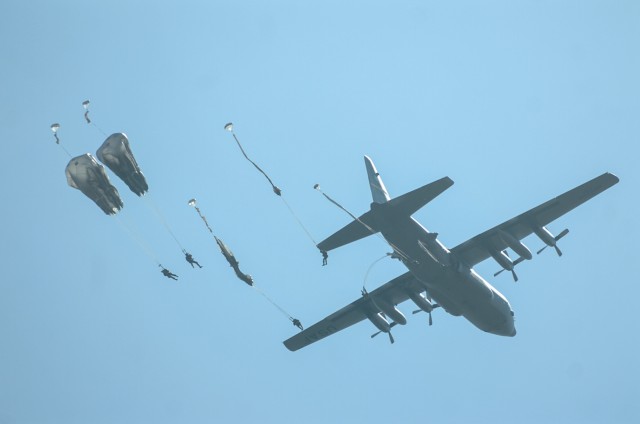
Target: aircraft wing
{"type": "Point", "coordinates": [393, 292]}
{"type": "Point", "coordinates": [477, 249]}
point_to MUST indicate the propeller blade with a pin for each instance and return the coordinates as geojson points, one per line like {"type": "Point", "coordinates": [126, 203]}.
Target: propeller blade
{"type": "Point", "coordinates": [515, 277]}
{"type": "Point", "coordinates": [416, 311]}
{"type": "Point", "coordinates": [558, 251]}
{"type": "Point", "coordinates": [393, 324]}
{"type": "Point", "coordinates": [430, 319]}
{"type": "Point", "coordinates": [391, 338]}
{"type": "Point", "coordinates": [540, 251]}
{"type": "Point", "coordinates": [562, 234]}
{"type": "Point", "coordinates": [498, 273]}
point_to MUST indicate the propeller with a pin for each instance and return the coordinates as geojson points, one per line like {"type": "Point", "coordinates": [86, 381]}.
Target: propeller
{"type": "Point", "coordinates": [513, 266]}
{"type": "Point", "coordinates": [435, 305]}
{"type": "Point", "coordinates": [556, 238]}
{"type": "Point", "coordinates": [365, 293]}
{"type": "Point", "coordinates": [393, 324]}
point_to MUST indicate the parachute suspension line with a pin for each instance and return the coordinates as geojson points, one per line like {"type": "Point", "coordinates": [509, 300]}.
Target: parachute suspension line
{"type": "Point", "coordinates": [66, 151]}
{"type": "Point", "coordinates": [159, 215]}
{"type": "Point", "coordinates": [366, 275]}
{"type": "Point", "coordinates": [99, 129]}
{"type": "Point", "coordinates": [229, 127]}
{"type": "Point", "coordinates": [276, 190]}
{"type": "Point", "coordinates": [371, 230]}
{"type": "Point", "coordinates": [272, 302]}
{"type": "Point", "coordinates": [299, 222]}
{"type": "Point", "coordinates": [136, 237]}
{"type": "Point", "coordinates": [295, 321]}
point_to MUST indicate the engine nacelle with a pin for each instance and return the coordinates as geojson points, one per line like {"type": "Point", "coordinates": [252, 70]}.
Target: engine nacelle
{"type": "Point", "coordinates": [515, 244]}
{"type": "Point", "coordinates": [379, 321]}
{"type": "Point", "coordinates": [503, 260]}
{"type": "Point", "coordinates": [392, 312]}
{"type": "Point", "coordinates": [420, 301]}
{"type": "Point", "coordinates": [545, 236]}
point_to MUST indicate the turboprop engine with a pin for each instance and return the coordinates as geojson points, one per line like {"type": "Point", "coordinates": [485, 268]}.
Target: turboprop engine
{"type": "Point", "coordinates": [392, 312]}
{"type": "Point", "coordinates": [379, 321]}
{"type": "Point", "coordinates": [421, 302]}
{"type": "Point", "coordinates": [506, 263]}
{"type": "Point", "coordinates": [515, 245]}
{"type": "Point", "coordinates": [549, 239]}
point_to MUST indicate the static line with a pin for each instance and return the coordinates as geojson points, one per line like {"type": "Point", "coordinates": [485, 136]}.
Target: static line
{"type": "Point", "coordinates": [371, 230]}
{"type": "Point", "coordinates": [65, 150]}
{"type": "Point", "coordinates": [276, 190]}
{"type": "Point", "coordinates": [99, 129]}
{"type": "Point", "coordinates": [141, 243]}
{"type": "Point", "coordinates": [366, 275]}
{"type": "Point", "coordinates": [271, 301]}
{"type": "Point", "coordinates": [159, 215]}
{"type": "Point", "coordinates": [299, 222]}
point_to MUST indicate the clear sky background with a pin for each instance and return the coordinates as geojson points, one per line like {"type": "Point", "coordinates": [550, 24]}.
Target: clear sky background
{"type": "Point", "coordinates": [516, 101]}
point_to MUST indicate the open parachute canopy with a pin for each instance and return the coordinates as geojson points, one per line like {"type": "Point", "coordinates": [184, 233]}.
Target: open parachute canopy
{"type": "Point", "coordinates": [116, 154]}
{"type": "Point", "coordinates": [87, 175]}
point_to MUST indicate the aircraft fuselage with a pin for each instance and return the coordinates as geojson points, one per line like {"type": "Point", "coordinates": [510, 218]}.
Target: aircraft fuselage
{"type": "Point", "coordinates": [456, 287]}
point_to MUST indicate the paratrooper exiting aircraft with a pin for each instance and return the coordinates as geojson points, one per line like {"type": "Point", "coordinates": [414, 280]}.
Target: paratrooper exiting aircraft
{"type": "Point", "coordinates": [439, 276]}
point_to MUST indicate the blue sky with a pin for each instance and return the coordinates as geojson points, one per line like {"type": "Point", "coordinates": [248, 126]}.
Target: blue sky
{"type": "Point", "coordinates": [517, 102]}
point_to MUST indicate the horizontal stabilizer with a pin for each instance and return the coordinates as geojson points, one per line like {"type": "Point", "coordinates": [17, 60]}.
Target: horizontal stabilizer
{"type": "Point", "coordinates": [354, 231]}
{"type": "Point", "coordinates": [411, 202]}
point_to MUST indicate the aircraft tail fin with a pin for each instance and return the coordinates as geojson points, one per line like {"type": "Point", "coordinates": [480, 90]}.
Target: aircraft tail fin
{"type": "Point", "coordinates": [384, 208]}
{"type": "Point", "coordinates": [378, 190]}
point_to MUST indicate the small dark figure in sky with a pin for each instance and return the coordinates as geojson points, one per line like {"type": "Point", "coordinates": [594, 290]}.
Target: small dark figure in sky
{"type": "Point", "coordinates": [297, 323]}
{"type": "Point", "coordinates": [190, 259]}
{"type": "Point", "coordinates": [325, 256]}
{"type": "Point", "coordinates": [168, 273]}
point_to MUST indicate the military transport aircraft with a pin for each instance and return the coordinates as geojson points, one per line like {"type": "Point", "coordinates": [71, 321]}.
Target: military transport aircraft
{"type": "Point", "coordinates": [438, 276]}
